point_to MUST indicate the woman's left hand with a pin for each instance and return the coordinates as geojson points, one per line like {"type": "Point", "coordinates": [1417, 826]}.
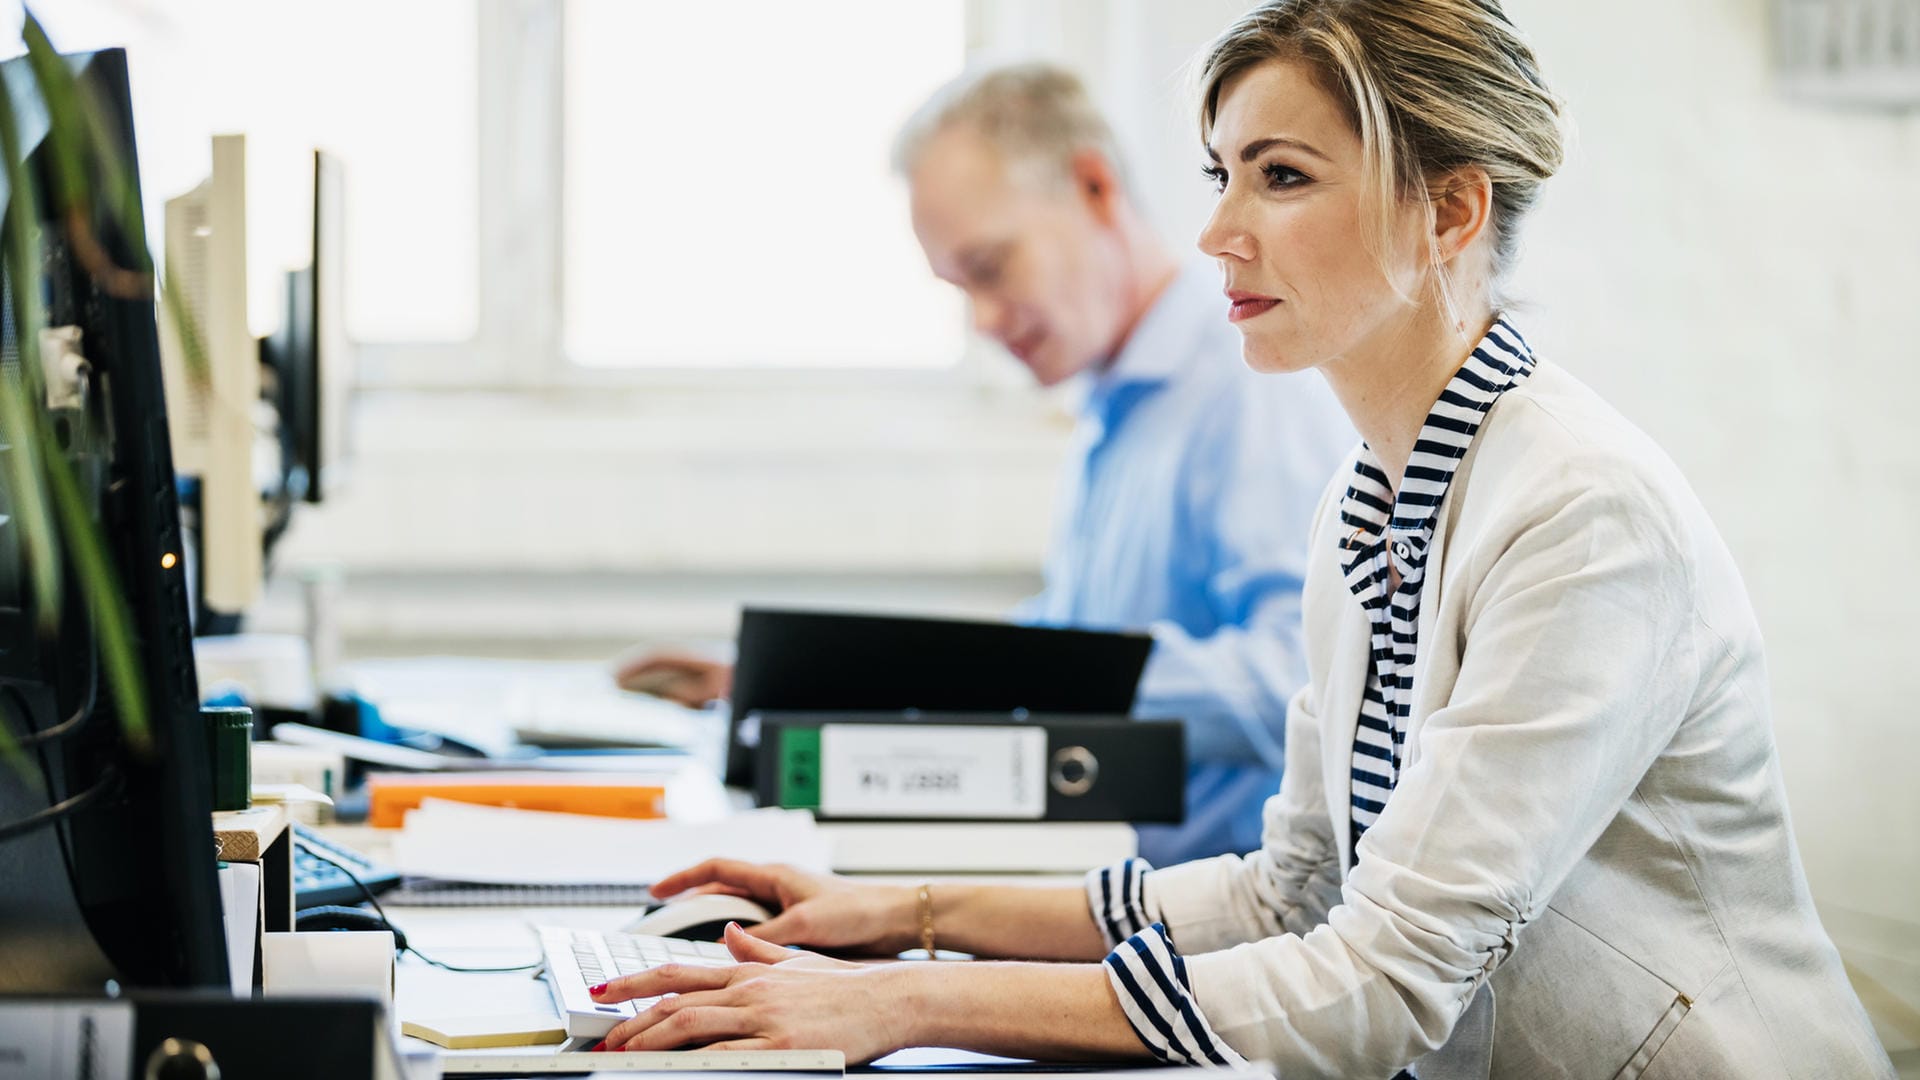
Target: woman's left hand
{"type": "Point", "coordinates": [775, 999]}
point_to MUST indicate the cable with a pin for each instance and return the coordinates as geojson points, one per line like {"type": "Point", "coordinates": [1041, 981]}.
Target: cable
{"type": "Point", "coordinates": [80, 716]}
{"type": "Point", "coordinates": [368, 893]}
{"type": "Point", "coordinates": [62, 841]}
{"type": "Point", "coordinates": [66, 807]}
{"type": "Point", "coordinates": [68, 726]}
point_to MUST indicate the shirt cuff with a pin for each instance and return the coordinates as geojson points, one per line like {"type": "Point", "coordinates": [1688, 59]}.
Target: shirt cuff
{"type": "Point", "coordinates": [1188, 898]}
{"type": "Point", "coordinates": [1150, 979]}
{"type": "Point", "coordinates": [1117, 896]}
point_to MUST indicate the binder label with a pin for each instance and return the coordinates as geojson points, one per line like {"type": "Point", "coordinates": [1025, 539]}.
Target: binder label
{"type": "Point", "coordinates": [933, 771]}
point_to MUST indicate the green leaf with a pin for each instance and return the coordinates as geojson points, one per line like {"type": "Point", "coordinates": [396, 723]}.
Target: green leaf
{"type": "Point", "coordinates": [16, 758]}
{"type": "Point", "coordinates": [66, 122]}
{"type": "Point", "coordinates": [19, 407]}
{"type": "Point", "coordinates": [38, 467]}
{"type": "Point", "coordinates": [77, 126]}
{"type": "Point", "coordinates": [106, 602]}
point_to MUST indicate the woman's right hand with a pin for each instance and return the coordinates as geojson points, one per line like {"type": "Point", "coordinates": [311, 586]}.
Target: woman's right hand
{"type": "Point", "coordinates": [816, 910]}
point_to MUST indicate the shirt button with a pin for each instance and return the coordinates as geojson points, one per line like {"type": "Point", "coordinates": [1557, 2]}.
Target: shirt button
{"type": "Point", "coordinates": [1401, 549]}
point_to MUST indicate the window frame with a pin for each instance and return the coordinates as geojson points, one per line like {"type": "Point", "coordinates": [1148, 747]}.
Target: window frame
{"type": "Point", "coordinates": [517, 342]}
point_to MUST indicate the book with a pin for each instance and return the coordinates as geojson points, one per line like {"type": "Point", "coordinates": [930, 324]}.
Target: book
{"type": "Point", "coordinates": [594, 794]}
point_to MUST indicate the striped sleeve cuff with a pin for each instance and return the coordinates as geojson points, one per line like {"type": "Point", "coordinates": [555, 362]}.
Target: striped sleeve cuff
{"type": "Point", "coordinates": [1151, 982]}
{"type": "Point", "coordinates": [1117, 895]}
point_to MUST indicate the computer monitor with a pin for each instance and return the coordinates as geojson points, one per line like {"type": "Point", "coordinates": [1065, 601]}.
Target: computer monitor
{"type": "Point", "coordinates": [120, 886]}
{"type": "Point", "coordinates": [311, 354]}
{"type": "Point", "coordinates": [212, 398]}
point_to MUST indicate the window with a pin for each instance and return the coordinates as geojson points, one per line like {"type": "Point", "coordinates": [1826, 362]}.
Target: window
{"type": "Point", "coordinates": [389, 87]}
{"type": "Point", "coordinates": [728, 200]}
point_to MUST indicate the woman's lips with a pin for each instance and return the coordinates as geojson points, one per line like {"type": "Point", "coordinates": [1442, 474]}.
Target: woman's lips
{"type": "Point", "coordinates": [1249, 308]}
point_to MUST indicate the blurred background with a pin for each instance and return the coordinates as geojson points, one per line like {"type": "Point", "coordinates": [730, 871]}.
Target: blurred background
{"type": "Point", "coordinates": [638, 331]}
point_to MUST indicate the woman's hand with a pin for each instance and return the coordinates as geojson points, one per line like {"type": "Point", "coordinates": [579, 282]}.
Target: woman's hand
{"type": "Point", "coordinates": [817, 910]}
{"type": "Point", "coordinates": [774, 999]}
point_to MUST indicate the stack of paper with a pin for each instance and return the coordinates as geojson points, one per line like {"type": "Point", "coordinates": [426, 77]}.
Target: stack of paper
{"type": "Point", "coordinates": [528, 847]}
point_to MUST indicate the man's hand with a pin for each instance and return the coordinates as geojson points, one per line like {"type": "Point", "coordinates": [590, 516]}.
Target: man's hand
{"type": "Point", "coordinates": [677, 676]}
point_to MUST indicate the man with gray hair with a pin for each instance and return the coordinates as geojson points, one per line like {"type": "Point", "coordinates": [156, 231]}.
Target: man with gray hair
{"type": "Point", "coordinates": [1187, 496]}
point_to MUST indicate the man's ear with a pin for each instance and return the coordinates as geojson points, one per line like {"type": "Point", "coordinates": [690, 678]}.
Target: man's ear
{"type": "Point", "coordinates": [1096, 184]}
{"type": "Point", "coordinates": [1462, 210]}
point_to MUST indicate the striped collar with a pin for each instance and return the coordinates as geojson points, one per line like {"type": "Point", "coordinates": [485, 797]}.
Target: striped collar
{"type": "Point", "coordinates": [1405, 528]}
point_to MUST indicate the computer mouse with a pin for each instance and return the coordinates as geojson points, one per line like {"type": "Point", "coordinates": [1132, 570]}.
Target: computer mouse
{"type": "Point", "coordinates": [340, 917]}
{"type": "Point", "coordinates": [700, 917]}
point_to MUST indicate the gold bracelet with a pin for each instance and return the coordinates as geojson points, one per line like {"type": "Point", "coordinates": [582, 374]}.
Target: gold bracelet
{"type": "Point", "coordinates": [926, 922]}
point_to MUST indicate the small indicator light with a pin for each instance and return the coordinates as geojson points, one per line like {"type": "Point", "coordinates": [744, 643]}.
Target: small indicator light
{"type": "Point", "coordinates": [167, 561]}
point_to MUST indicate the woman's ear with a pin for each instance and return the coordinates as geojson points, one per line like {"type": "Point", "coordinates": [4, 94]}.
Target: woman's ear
{"type": "Point", "coordinates": [1462, 210]}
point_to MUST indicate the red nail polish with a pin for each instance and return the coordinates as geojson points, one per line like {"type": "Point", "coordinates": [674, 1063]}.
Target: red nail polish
{"type": "Point", "coordinates": [597, 1047]}
{"type": "Point", "coordinates": [597, 990]}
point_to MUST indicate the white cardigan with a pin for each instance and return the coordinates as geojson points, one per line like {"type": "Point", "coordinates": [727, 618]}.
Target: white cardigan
{"type": "Point", "coordinates": [1586, 868]}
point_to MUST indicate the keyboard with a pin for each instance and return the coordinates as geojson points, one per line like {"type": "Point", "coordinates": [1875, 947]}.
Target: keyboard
{"type": "Point", "coordinates": [317, 881]}
{"type": "Point", "coordinates": [578, 959]}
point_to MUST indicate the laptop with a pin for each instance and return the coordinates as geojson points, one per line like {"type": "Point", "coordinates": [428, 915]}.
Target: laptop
{"type": "Point", "coordinates": [797, 661]}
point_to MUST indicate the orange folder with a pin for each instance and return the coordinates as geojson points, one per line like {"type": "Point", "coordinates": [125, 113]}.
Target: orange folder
{"type": "Point", "coordinates": [569, 793]}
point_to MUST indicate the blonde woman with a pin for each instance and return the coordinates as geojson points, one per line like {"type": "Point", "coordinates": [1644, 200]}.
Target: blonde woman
{"type": "Point", "coordinates": [1531, 822]}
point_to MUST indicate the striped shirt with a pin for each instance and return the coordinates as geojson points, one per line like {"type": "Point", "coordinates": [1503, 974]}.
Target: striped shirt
{"type": "Point", "coordinates": [1147, 973]}
{"type": "Point", "coordinates": [1391, 534]}
{"type": "Point", "coordinates": [1148, 976]}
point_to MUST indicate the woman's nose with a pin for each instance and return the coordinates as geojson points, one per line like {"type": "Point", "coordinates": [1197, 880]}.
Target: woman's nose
{"type": "Point", "coordinates": [1224, 237]}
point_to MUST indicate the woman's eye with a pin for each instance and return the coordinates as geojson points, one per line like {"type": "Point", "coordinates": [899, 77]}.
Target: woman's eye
{"type": "Point", "coordinates": [1215, 175]}
{"type": "Point", "coordinates": [1281, 176]}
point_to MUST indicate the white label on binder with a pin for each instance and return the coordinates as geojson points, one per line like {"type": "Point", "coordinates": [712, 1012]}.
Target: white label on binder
{"type": "Point", "coordinates": [933, 771]}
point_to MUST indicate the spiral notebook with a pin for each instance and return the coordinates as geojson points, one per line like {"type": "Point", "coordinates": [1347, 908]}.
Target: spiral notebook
{"type": "Point", "coordinates": [439, 892]}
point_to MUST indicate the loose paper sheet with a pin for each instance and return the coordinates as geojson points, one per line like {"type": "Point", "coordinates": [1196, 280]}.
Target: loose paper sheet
{"type": "Point", "coordinates": [528, 847]}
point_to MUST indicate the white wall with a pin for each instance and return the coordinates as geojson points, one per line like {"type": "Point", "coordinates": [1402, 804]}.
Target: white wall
{"type": "Point", "coordinates": [1739, 274]}
{"type": "Point", "coordinates": [1137, 57]}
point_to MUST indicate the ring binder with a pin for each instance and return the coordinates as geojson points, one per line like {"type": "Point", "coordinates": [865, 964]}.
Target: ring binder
{"type": "Point", "coordinates": [1106, 768]}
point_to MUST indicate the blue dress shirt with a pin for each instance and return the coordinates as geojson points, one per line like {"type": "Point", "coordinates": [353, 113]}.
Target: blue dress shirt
{"type": "Point", "coordinates": [1184, 511]}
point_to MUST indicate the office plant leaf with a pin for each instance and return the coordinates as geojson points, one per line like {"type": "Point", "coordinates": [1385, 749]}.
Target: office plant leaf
{"type": "Point", "coordinates": [60, 535]}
